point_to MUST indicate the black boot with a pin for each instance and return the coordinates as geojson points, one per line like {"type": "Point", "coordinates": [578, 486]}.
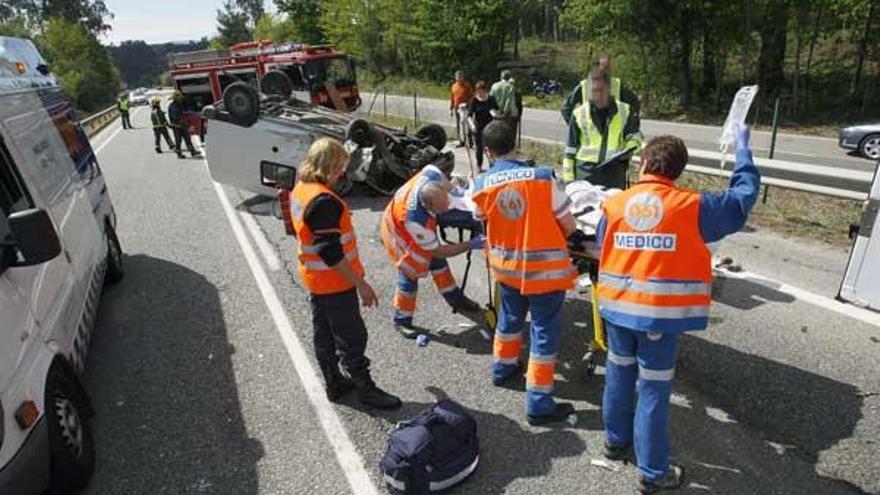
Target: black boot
{"type": "Point", "coordinates": [673, 479]}
{"type": "Point", "coordinates": [466, 306]}
{"type": "Point", "coordinates": [158, 149]}
{"type": "Point", "coordinates": [371, 395]}
{"type": "Point", "coordinates": [559, 414]}
{"type": "Point", "coordinates": [336, 385]}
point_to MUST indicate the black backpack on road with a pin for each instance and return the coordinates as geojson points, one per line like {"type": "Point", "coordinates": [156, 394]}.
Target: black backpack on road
{"type": "Point", "coordinates": [433, 451]}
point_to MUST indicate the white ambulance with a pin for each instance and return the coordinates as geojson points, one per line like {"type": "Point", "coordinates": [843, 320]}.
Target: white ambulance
{"type": "Point", "coordinates": [57, 248]}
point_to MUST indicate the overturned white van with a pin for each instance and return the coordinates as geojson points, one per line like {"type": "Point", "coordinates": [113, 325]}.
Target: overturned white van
{"type": "Point", "coordinates": [57, 248]}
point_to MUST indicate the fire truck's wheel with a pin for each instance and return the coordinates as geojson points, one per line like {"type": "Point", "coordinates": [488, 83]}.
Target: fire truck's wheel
{"type": "Point", "coordinates": [433, 134]}
{"type": "Point", "coordinates": [360, 133]}
{"type": "Point", "coordinates": [276, 83]}
{"type": "Point", "coordinates": [242, 102]}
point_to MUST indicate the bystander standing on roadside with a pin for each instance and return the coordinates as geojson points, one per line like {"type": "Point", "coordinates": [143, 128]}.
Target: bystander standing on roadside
{"type": "Point", "coordinates": [460, 93]}
{"type": "Point", "coordinates": [505, 94]}
{"type": "Point", "coordinates": [480, 110]}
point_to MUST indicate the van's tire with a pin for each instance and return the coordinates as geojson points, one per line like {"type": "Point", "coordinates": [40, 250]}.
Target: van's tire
{"type": "Point", "coordinates": [115, 268]}
{"type": "Point", "coordinates": [433, 134]}
{"type": "Point", "coordinates": [71, 444]}
{"type": "Point", "coordinates": [360, 132]}
{"type": "Point", "coordinates": [242, 102]}
{"type": "Point", "coordinates": [276, 83]}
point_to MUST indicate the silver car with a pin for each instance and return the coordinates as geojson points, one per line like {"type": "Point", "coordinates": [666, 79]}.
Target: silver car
{"type": "Point", "coordinates": [863, 138]}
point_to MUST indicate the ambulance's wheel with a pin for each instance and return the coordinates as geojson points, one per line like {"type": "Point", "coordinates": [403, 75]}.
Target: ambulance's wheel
{"type": "Point", "coordinates": [242, 102]}
{"type": "Point", "coordinates": [590, 360]}
{"type": "Point", "coordinates": [276, 83]}
{"type": "Point", "coordinates": [491, 318]}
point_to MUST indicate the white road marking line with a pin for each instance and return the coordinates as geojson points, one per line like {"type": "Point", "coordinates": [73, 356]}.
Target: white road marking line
{"type": "Point", "coordinates": [861, 314]}
{"type": "Point", "coordinates": [266, 249]}
{"type": "Point", "coordinates": [105, 143]}
{"type": "Point", "coordinates": [349, 459]}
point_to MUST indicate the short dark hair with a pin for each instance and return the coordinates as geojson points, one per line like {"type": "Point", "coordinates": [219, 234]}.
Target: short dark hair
{"type": "Point", "coordinates": [506, 74]}
{"type": "Point", "coordinates": [665, 155]}
{"type": "Point", "coordinates": [499, 137]}
{"type": "Point", "coordinates": [600, 75]}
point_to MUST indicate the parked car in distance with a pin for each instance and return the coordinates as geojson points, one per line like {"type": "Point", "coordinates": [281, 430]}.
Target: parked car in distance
{"type": "Point", "coordinates": [862, 138]}
{"type": "Point", "coordinates": [138, 97]}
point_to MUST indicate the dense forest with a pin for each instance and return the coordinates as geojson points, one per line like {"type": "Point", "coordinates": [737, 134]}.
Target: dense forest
{"type": "Point", "coordinates": [142, 65]}
{"type": "Point", "coordinates": [685, 57]}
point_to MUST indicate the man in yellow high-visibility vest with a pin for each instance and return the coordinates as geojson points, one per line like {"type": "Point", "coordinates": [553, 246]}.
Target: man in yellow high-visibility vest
{"type": "Point", "coordinates": [619, 91]}
{"type": "Point", "coordinates": [601, 127]}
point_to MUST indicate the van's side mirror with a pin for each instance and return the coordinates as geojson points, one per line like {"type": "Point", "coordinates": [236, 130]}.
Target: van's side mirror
{"type": "Point", "coordinates": [277, 175]}
{"type": "Point", "coordinates": [35, 237]}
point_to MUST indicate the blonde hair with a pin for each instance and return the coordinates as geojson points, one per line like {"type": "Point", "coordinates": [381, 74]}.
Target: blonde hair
{"type": "Point", "coordinates": [325, 157]}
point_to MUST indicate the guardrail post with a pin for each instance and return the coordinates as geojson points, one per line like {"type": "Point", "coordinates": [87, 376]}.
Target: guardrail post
{"type": "Point", "coordinates": [415, 108]}
{"type": "Point", "coordinates": [772, 142]}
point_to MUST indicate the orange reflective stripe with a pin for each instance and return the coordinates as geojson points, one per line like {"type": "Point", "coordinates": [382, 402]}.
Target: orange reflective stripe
{"type": "Point", "coordinates": [404, 301]}
{"type": "Point", "coordinates": [606, 292]}
{"type": "Point", "coordinates": [506, 348]}
{"type": "Point", "coordinates": [444, 280]}
{"type": "Point", "coordinates": [540, 374]}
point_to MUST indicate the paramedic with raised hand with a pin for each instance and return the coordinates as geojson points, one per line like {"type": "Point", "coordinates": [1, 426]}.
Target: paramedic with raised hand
{"type": "Point", "coordinates": [409, 232]}
{"type": "Point", "coordinates": [331, 270]}
{"type": "Point", "coordinates": [527, 222]}
{"type": "Point", "coordinates": [655, 282]}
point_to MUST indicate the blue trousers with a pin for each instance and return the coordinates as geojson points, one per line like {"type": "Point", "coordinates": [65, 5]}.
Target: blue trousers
{"type": "Point", "coordinates": [643, 361]}
{"type": "Point", "coordinates": [546, 312]}
{"type": "Point", "coordinates": [407, 290]}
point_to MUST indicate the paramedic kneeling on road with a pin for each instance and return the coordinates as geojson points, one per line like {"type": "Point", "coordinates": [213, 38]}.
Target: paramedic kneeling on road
{"type": "Point", "coordinates": [527, 222]}
{"type": "Point", "coordinates": [330, 269]}
{"type": "Point", "coordinates": [655, 281]}
{"type": "Point", "coordinates": [409, 232]}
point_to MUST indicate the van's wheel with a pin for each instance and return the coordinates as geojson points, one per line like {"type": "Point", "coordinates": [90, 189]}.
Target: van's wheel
{"type": "Point", "coordinates": [242, 102]}
{"type": "Point", "coordinates": [433, 134]}
{"type": "Point", "coordinates": [115, 268]}
{"type": "Point", "coordinates": [71, 445]}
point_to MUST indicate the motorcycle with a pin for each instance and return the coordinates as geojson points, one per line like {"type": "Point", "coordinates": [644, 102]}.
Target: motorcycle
{"type": "Point", "coordinates": [543, 87]}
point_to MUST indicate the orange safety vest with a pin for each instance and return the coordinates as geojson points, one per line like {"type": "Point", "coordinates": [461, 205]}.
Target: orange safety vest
{"type": "Point", "coordinates": [655, 271]}
{"type": "Point", "coordinates": [405, 252]}
{"type": "Point", "coordinates": [526, 247]}
{"type": "Point", "coordinates": [314, 273]}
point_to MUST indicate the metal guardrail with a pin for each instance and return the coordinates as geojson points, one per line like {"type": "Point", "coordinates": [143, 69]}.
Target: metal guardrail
{"type": "Point", "coordinates": [95, 122]}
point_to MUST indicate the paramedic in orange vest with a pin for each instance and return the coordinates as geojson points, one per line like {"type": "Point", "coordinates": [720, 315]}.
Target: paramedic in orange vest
{"type": "Point", "coordinates": [409, 232]}
{"type": "Point", "coordinates": [527, 222]}
{"type": "Point", "coordinates": [655, 282]}
{"type": "Point", "coordinates": [331, 271]}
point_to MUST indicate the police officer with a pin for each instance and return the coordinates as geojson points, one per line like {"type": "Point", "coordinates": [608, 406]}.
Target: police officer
{"type": "Point", "coordinates": [527, 222]}
{"type": "Point", "coordinates": [331, 270]}
{"type": "Point", "coordinates": [601, 127]}
{"type": "Point", "coordinates": [179, 127]}
{"type": "Point", "coordinates": [409, 232]}
{"type": "Point", "coordinates": [160, 125]}
{"type": "Point", "coordinates": [123, 105]}
{"type": "Point", "coordinates": [655, 282]}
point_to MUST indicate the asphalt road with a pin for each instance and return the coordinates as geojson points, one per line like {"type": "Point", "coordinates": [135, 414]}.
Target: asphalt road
{"type": "Point", "coordinates": [548, 124]}
{"type": "Point", "coordinates": [196, 392]}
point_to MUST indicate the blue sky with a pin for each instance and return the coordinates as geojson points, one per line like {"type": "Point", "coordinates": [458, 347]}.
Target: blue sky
{"type": "Point", "coordinates": [155, 21]}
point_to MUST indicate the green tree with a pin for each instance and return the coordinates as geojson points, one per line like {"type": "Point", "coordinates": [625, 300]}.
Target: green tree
{"type": "Point", "coordinates": [306, 16]}
{"type": "Point", "coordinates": [232, 26]}
{"type": "Point", "coordinates": [92, 14]}
{"type": "Point", "coordinates": [277, 27]}
{"type": "Point", "coordinates": [253, 9]}
{"type": "Point", "coordinates": [80, 62]}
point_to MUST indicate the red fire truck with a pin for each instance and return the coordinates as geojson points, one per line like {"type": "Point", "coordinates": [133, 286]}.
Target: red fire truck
{"type": "Point", "coordinates": [320, 74]}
